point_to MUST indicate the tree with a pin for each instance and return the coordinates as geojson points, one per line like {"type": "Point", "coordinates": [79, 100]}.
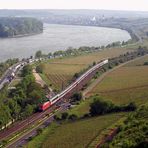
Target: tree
{"type": "Point", "coordinates": [99, 107]}
{"type": "Point", "coordinates": [56, 117]}
{"type": "Point", "coordinates": [131, 107]}
{"type": "Point", "coordinates": [145, 63]}
{"type": "Point", "coordinates": [5, 115]}
{"type": "Point", "coordinates": [39, 131]}
{"type": "Point", "coordinates": [94, 63]}
{"type": "Point", "coordinates": [40, 68]}
{"type": "Point", "coordinates": [35, 97]}
{"type": "Point", "coordinates": [28, 110]}
{"type": "Point", "coordinates": [38, 54]}
{"type": "Point", "coordinates": [76, 75]}
{"type": "Point", "coordinates": [77, 96]}
{"type": "Point", "coordinates": [14, 108]}
{"type": "Point", "coordinates": [72, 117]}
{"type": "Point", "coordinates": [26, 70]}
{"type": "Point", "coordinates": [64, 116]}
{"type": "Point", "coordinates": [35, 93]}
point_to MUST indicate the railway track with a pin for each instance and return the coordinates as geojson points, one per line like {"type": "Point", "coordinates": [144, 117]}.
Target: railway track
{"type": "Point", "coordinates": [65, 94]}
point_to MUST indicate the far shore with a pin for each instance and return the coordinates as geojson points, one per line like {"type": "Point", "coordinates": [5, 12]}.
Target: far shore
{"type": "Point", "coordinates": [21, 35]}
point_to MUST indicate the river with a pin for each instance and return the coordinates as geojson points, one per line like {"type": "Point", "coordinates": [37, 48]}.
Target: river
{"type": "Point", "coordinates": [59, 37]}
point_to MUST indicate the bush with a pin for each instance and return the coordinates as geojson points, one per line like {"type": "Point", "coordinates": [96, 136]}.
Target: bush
{"type": "Point", "coordinates": [94, 63]}
{"type": "Point", "coordinates": [40, 68]}
{"type": "Point", "coordinates": [73, 117]}
{"type": "Point", "coordinates": [56, 117]}
{"type": "Point", "coordinates": [146, 63]}
{"type": "Point", "coordinates": [86, 115]}
{"type": "Point", "coordinates": [77, 96]}
{"type": "Point", "coordinates": [39, 131]}
{"type": "Point", "coordinates": [131, 107]}
{"type": "Point", "coordinates": [64, 116]}
{"type": "Point", "coordinates": [99, 107]}
{"type": "Point", "coordinates": [30, 138]}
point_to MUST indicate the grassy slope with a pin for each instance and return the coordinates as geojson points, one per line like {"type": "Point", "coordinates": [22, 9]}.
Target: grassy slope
{"type": "Point", "coordinates": [81, 109]}
{"type": "Point", "coordinates": [136, 127]}
{"type": "Point", "coordinates": [78, 134]}
{"type": "Point", "coordinates": [81, 133]}
{"type": "Point", "coordinates": [128, 83]}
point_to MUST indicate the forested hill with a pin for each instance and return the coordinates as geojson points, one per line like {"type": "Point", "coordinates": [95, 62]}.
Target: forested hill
{"type": "Point", "coordinates": [19, 26]}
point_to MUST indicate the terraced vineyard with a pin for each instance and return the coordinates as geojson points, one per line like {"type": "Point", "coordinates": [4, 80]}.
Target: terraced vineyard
{"type": "Point", "coordinates": [59, 72]}
{"type": "Point", "coordinates": [59, 75]}
{"type": "Point", "coordinates": [128, 83]}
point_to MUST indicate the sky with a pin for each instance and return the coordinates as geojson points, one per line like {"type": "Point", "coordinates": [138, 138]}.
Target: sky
{"type": "Point", "coordinates": [138, 5]}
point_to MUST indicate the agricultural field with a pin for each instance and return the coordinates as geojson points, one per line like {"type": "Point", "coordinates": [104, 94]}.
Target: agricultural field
{"type": "Point", "coordinates": [82, 133]}
{"type": "Point", "coordinates": [82, 108]}
{"type": "Point", "coordinates": [125, 84]}
{"type": "Point", "coordinates": [59, 72]}
{"type": "Point", "coordinates": [59, 75]}
{"type": "Point", "coordinates": [78, 134]}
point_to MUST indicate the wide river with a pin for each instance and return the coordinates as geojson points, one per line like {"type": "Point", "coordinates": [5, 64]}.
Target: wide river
{"type": "Point", "coordinates": [59, 37]}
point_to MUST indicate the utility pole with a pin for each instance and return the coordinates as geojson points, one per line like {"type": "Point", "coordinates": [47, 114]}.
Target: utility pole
{"type": "Point", "coordinates": [62, 86]}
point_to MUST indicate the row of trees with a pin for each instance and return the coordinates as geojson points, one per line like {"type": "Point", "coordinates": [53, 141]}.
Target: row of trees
{"type": "Point", "coordinates": [141, 51]}
{"type": "Point", "coordinates": [23, 101]}
{"type": "Point", "coordinates": [100, 107]}
{"type": "Point", "coordinates": [97, 107]}
{"type": "Point", "coordinates": [74, 52]}
{"type": "Point", "coordinates": [66, 116]}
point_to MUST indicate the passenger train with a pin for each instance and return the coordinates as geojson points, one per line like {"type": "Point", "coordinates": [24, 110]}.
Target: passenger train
{"type": "Point", "coordinates": [61, 95]}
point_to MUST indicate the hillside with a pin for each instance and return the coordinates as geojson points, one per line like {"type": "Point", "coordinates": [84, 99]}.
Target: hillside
{"type": "Point", "coordinates": [76, 134]}
{"type": "Point", "coordinates": [89, 131]}
{"type": "Point", "coordinates": [60, 71]}
{"type": "Point", "coordinates": [14, 26]}
{"type": "Point", "coordinates": [127, 83]}
{"type": "Point", "coordinates": [136, 127]}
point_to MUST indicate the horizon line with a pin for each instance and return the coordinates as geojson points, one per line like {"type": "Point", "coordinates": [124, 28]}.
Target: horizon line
{"type": "Point", "coordinates": [73, 9]}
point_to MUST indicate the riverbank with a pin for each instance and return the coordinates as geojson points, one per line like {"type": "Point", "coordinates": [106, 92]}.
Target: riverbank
{"type": "Point", "coordinates": [21, 36]}
{"type": "Point", "coordinates": [60, 37]}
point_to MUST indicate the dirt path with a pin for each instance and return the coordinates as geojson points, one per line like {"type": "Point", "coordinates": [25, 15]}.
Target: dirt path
{"type": "Point", "coordinates": [101, 78]}
{"type": "Point", "coordinates": [124, 89]}
{"type": "Point", "coordinates": [38, 78]}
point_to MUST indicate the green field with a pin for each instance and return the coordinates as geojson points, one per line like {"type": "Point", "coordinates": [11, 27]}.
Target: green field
{"type": "Point", "coordinates": [81, 109]}
{"type": "Point", "coordinates": [83, 132]}
{"type": "Point", "coordinates": [128, 83]}
{"type": "Point", "coordinates": [60, 71]}
{"type": "Point", "coordinates": [77, 134]}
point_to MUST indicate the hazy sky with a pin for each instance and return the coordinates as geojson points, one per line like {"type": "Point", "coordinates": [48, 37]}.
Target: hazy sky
{"type": "Point", "coordinates": [141, 5]}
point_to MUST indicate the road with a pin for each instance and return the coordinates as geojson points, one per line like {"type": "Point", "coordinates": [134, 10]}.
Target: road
{"type": "Point", "coordinates": [9, 73]}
